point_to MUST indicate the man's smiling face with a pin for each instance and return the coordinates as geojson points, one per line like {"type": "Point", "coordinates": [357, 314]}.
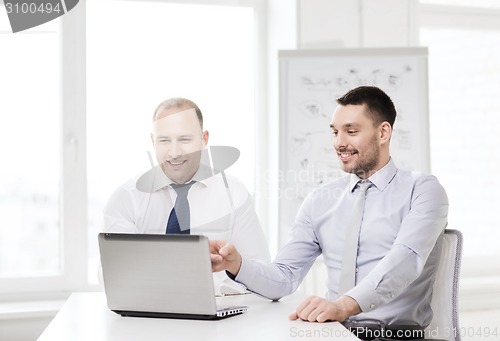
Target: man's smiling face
{"type": "Point", "coordinates": [178, 140]}
{"type": "Point", "coordinates": [356, 140]}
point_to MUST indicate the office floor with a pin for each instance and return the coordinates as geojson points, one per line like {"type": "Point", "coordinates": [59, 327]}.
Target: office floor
{"type": "Point", "coordinates": [478, 326]}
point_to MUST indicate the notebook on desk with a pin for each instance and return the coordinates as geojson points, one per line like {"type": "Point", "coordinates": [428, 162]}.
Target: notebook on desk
{"type": "Point", "coordinates": [166, 276]}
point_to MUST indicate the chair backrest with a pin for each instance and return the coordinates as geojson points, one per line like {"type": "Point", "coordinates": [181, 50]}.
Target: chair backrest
{"type": "Point", "coordinates": [445, 324]}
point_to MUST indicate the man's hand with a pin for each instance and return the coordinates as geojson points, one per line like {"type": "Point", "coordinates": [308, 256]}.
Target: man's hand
{"type": "Point", "coordinates": [224, 256]}
{"type": "Point", "coordinates": [317, 309]}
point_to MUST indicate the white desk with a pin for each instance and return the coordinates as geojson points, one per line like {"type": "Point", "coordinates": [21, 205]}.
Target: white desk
{"type": "Point", "coordinates": [85, 317]}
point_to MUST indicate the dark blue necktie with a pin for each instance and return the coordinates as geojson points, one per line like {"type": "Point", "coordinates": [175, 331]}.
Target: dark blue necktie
{"type": "Point", "coordinates": [179, 221]}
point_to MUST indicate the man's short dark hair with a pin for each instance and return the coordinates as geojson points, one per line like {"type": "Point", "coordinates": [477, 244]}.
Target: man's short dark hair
{"type": "Point", "coordinates": [379, 104]}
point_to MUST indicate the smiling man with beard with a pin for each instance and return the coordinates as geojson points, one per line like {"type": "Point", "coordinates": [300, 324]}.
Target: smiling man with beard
{"type": "Point", "coordinates": [378, 228]}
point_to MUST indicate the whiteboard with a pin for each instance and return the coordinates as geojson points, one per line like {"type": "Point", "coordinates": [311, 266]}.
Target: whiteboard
{"type": "Point", "coordinates": [311, 81]}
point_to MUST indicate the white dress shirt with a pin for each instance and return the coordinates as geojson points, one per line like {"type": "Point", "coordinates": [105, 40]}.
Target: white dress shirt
{"type": "Point", "coordinates": [217, 211]}
{"type": "Point", "coordinates": [404, 217]}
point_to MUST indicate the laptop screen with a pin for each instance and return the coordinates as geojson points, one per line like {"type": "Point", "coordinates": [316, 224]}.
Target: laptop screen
{"type": "Point", "coordinates": [157, 273]}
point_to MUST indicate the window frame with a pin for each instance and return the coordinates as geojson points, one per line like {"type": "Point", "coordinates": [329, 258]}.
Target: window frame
{"type": "Point", "coordinates": [478, 273]}
{"type": "Point", "coordinates": [72, 195]}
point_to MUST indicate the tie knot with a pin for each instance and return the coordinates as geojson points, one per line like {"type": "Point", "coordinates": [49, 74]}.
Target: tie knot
{"type": "Point", "coordinates": [363, 185]}
{"type": "Point", "coordinates": [183, 189]}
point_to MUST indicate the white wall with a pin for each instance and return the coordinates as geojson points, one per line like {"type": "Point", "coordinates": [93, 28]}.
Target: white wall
{"type": "Point", "coordinates": [280, 34]}
{"type": "Point", "coordinates": [361, 23]}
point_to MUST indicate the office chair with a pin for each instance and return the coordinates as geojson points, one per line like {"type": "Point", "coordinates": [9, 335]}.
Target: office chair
{"type": "Point", "coordinates": [445, 324]}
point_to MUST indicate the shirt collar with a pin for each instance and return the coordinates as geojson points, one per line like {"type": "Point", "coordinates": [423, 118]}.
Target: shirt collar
{"type": "Point", "coordinates": [380, 179]}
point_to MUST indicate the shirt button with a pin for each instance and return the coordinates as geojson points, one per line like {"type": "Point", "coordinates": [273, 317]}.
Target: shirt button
{"type": "Point", "coordinates": [357, 270]}
{"type": "Point", "coordinates": [372, 306]}
{"type": "Point", "coordinates": [391, 295]}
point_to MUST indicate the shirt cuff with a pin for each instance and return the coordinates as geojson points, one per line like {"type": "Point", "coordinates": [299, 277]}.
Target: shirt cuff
{"type": "Point", "coordinates": [247, 272]}
{"type": "Point", "coordinates": [366, 296]}
{"type": "Point", "coordinates": [230, 275]}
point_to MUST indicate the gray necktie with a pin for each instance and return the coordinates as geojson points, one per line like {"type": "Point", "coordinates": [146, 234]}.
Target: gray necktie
{"type": "Point", "coordinates": [350, 253]}
{"type": "Point", "coordinates": [179, 220]}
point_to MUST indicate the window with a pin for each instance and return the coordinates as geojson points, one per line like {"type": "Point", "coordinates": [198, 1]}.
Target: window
{"type": "Point", "coordinates": [464, 64]}
{"type": "Point", "coordinates": [30, 148]}
{"type": "Point", "coordinates": [153, 51]}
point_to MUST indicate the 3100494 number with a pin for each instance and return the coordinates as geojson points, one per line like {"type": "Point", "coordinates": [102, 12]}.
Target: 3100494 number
{"type": "Point", "coordinates": [32, 8]}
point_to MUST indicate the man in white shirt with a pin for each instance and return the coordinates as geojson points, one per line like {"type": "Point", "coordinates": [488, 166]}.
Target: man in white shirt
{"type": "Point", "coordinates": [396, 245]}
{"type": "Point", "coordinates": [219, 206]}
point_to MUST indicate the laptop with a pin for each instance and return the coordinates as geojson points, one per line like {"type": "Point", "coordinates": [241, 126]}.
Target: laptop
{"type": "Point", "coordinates": [168, 276]}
